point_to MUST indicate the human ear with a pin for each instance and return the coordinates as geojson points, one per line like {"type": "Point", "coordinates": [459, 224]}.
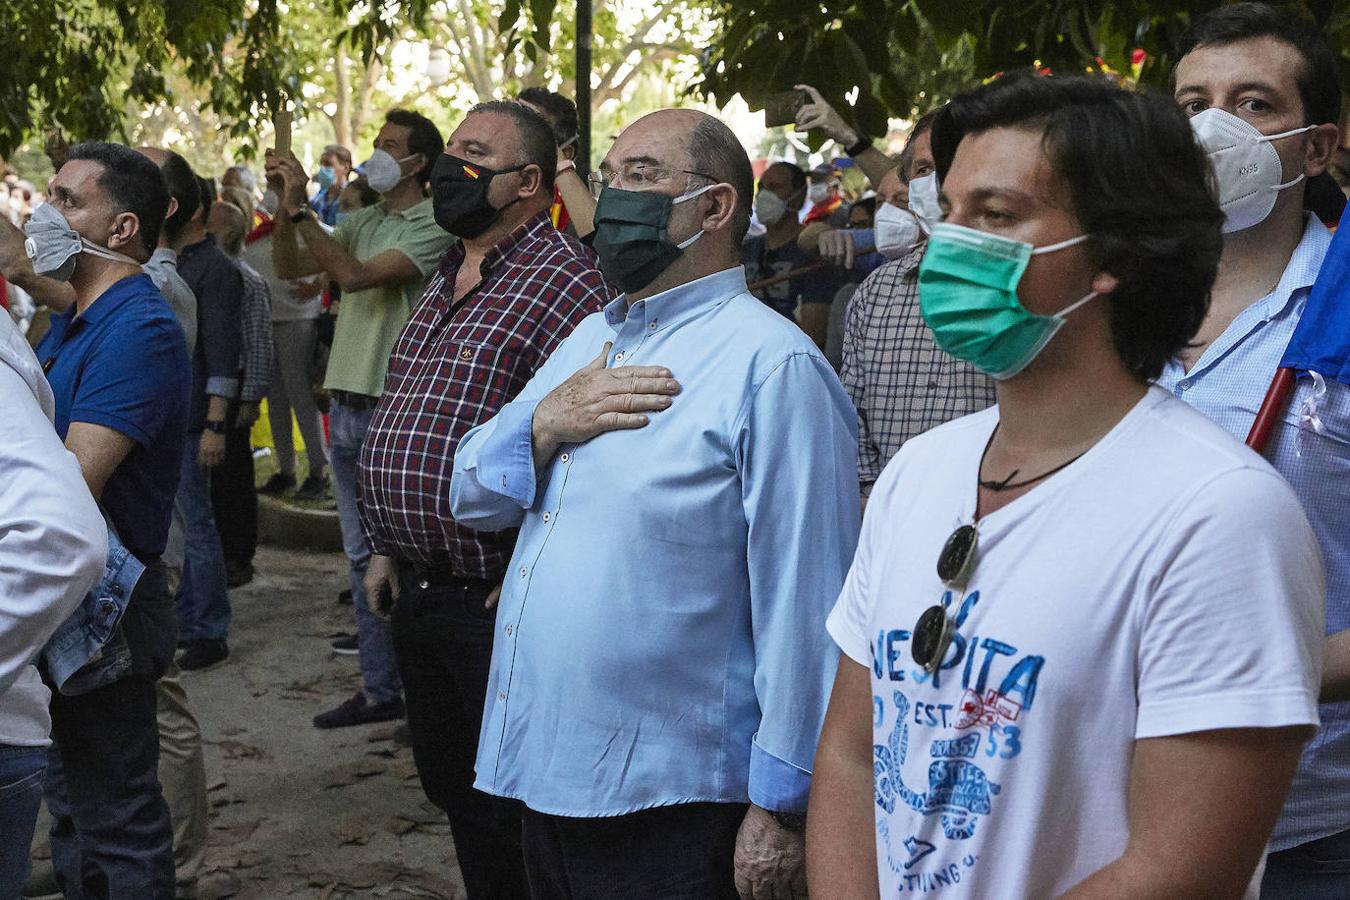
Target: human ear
{"type": "Point", "coordinates": [720, 214]}
{"type": "Point", "coordinates": [1322, 143]}
{"type": "Point", "coordinates": [125, 228]}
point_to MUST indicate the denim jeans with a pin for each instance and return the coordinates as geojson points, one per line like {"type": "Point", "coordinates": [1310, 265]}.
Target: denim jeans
{"type": "Point", "coordinates": [379, 671]}
{"type": "Point", "coordinates": [1317, 870]}
{"type": "Point", "coordinates": [111, 836]}
{"type": "Point", "coordinates": [681, 852]}
{"type": "Point", "coordinates": [203, 603]}
{"type": "Point", "coordinates": [443, 634]}
{"type": "Point", "coordinates": [21, 771]}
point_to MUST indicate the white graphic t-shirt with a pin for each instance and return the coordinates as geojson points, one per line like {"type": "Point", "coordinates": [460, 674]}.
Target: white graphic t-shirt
{"type": "Point", "coordinates": [1165, 583]}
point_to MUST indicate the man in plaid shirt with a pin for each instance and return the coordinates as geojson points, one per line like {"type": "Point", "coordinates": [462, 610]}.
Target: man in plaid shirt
{"type": "Point", "coordinates": [900, 382]}
{"type": "Point", "coordinates": [502, 300]}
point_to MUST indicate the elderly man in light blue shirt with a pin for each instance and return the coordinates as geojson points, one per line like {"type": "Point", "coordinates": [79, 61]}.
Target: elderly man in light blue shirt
{"type": "Point", "coordinates": [683, 473]}
{"type": "Point", "coordinates": [1274, 72]}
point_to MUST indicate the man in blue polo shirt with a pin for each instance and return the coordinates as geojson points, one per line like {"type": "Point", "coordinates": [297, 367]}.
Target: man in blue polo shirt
{"type": "Point", "coordinates": [118, 366]}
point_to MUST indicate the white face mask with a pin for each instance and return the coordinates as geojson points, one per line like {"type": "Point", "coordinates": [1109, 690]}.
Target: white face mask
{"type": "Point", "coordinates": [769, 207]}
{"type": "Point", "coordinates": [1247, 169]}
{"type": "Point", "coordinates": [923, 201]}
{"type": "Point", "coordinates": [383, 172]}
{"type": "Point", "coordinates": [54, 247]}
{"type": "Point", "coordinates": [896, 231]}
{"type": "Point", "coordinates": [819, 192]}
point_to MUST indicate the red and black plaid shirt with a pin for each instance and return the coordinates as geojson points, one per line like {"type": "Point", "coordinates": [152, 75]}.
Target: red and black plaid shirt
{"type": "Point", "coordinates": [454, 367]}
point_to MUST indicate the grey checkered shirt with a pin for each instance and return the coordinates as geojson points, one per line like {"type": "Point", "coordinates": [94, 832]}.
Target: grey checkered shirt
{"type": "Point", "coordinates": [256, 359]}
{"type": "Point", "coordinates": [900, 382]}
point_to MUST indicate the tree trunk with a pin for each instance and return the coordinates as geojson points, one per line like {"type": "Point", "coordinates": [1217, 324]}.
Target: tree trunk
{"type": "Point", "coordinates": [342, 119]}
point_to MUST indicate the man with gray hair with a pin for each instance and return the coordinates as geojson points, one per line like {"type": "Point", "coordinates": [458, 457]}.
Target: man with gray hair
{"type": "Point", "coordinates": [682, 473]}
{"type": "Point", "coordinates": [516, 281]}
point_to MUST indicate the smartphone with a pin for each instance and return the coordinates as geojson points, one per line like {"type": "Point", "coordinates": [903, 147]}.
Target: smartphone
{"type": "Point", "coordinates": [781, 108]}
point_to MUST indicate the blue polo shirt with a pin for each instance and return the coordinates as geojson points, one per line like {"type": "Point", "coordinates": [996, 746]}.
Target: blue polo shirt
{"type": "Point", "coordinates": [124, 365]}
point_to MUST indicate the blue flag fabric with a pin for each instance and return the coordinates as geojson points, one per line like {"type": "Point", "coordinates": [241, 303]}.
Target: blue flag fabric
{"type": "Point", "coordinates": [1321, 342]}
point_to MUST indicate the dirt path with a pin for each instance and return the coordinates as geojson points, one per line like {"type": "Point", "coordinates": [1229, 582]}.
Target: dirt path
{"type": "Point", "coordinates": [298, 812]}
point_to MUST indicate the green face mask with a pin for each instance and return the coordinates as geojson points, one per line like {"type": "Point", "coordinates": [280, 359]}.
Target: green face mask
{"type": "Point", "coordinates": [630, 235]}
{"type": "Point", "coordinates": [968, 296]}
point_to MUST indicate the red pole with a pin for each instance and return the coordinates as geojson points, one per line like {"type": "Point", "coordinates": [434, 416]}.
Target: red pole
{"type": "Point", "coordinates": [1272, 409]}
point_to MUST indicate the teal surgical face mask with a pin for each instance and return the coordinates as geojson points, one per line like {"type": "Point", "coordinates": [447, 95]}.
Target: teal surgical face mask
{"type": "Point", "coordinates": [968, 296]}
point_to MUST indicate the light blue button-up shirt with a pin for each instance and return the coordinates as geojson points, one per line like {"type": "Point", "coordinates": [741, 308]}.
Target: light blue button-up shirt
{"type": "Point", "coordinates": [661, 633]}
{"type": "Point", "coordinates": [1311, 449]}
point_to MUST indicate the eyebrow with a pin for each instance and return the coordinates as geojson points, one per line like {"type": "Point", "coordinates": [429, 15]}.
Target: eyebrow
{"type": "Point", "coordinates": [979, 195]}
{"type": "Point", "coordinates": [1244, 87]}
{"type": "Point", "coordinates": [61, 192]}
{"type": "Point", "coordinates": [471, 144]}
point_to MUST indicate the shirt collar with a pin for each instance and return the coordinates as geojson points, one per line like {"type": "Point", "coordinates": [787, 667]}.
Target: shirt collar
{"type": "Point", "coordinates": [113, 298]}
{"type": "Point", "coordinates": [164, 256]}
{"type": "Point", "coordinates": [532, 227]}
{"type": "Point", "coordinates": [680, 303]}
{"type": "Point", "coordinates": [1301, 271]}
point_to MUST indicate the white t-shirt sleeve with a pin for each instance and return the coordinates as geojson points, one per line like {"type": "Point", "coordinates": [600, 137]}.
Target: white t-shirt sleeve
{"type": "Point", "coordinates": [848, 621]}
{"type": "Point", "coordinates": [1231, 634]}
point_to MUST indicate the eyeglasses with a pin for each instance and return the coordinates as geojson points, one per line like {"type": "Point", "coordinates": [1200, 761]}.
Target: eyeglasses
{"type": "Point", "coordinates": [935, 629]}
{"type": "Point", "coordinates": [638, 176]}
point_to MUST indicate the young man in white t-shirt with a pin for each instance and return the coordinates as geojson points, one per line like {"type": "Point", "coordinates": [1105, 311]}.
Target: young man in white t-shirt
{"type": "Point", "coordinates": [1082, 631]}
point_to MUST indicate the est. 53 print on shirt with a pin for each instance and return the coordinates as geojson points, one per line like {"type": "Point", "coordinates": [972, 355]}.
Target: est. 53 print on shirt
{"type": "Point", "coordinates": [999, 687]}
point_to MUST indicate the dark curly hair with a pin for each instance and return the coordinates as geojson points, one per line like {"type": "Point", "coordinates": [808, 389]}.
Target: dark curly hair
{"type": "Point", "coordinates": [1140, 189]}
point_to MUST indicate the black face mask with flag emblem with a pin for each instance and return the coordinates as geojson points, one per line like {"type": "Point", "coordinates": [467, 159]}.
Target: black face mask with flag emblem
{"type": "Point", "coordinates": [459, 197]}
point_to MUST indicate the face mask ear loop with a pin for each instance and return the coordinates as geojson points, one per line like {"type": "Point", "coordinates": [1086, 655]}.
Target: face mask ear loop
{"type": "Point", "coordinates": [1051, 248]}
{"type": "Point", "coordinates": [1285, 134]}
{"type": "Point", "coordinates": [1289, 184]}
{"type": "Point", "coordinates": [1092, 295]}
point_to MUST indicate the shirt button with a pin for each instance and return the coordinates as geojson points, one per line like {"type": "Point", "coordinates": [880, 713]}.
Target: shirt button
{"type": "Point", "coordinates": [509, 629]}
{"type": "Point", "coordinates": [618, 356]}
{"type": "Point", "coordinates": [548, 517]}
{"type": "Point", "coordinates": [565, 457]}
{"type": "Point", "coordinates": [466, 354]}
{"type": "Point", "coordinates": [1185, 385]}
{"type": "Point", "coordinates": [503, 481]}
{"type": "Point", "coordinates": [501, 695]}
{"type": "Point", "coordinates": [424, 584]}
{"type": "Point", "coordinates": [652, 326]}
{"type": "Point", "coordinates": [524, 571]}
{"type": "Point", "coordinates": [932, 385]}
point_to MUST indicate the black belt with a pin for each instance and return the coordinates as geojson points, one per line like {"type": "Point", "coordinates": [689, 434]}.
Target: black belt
{"type": "Point", "coordinates": [358, 402]}
{"type": "Point", "coordinates": [435, 577]}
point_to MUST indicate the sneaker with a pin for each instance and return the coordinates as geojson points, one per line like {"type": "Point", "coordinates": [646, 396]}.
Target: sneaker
{"type": "Point", "coordinates": [278, 484]}
{"type": "Point", "coordinates": [314, 488]}
{"type": "Point", "coordinates": [237, 574]}
{"type": "Point", "coordinates": [345, 645]}
{"type": "Point", "coordinates": [203, 654]}
{"type": "Point", "coordinates": [345, 597]}
{"type": "Point", "coordinates": [356, 711]}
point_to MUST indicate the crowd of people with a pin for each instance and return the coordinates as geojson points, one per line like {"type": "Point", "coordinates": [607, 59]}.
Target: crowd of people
{"type": "Point", "coordinates": [718, 538]}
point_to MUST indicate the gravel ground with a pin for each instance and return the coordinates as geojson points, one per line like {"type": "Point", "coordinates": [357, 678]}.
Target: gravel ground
{"type": "Point", "coordinates": [298, 812]}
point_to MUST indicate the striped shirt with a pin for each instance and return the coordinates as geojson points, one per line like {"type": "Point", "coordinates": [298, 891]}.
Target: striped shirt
{"type": "Point", "coordinates": [1311, 449]}
{"type": "Point", "coordinates": [899, 381]}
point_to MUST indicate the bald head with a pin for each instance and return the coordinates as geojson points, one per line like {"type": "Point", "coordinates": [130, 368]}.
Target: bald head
{"type": "Point", "coordinates": [184, 200]}
{"type": "Point", "coordinates": [227, 222]}
{"type": "Point", "coordinates": [708, 147]}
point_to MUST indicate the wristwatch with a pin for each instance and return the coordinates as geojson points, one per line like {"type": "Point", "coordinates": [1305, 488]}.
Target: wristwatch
{"type": "Point", "coordinates": [214, 427]}
{"type": "Point", "coordinates": [863, 143]}
{"type": "Point", "coordinates": [789, 821]}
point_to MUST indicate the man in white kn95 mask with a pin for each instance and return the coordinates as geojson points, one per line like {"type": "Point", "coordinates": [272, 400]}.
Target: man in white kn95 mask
{"type": "Point", "coordinates": [1261, 88]}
